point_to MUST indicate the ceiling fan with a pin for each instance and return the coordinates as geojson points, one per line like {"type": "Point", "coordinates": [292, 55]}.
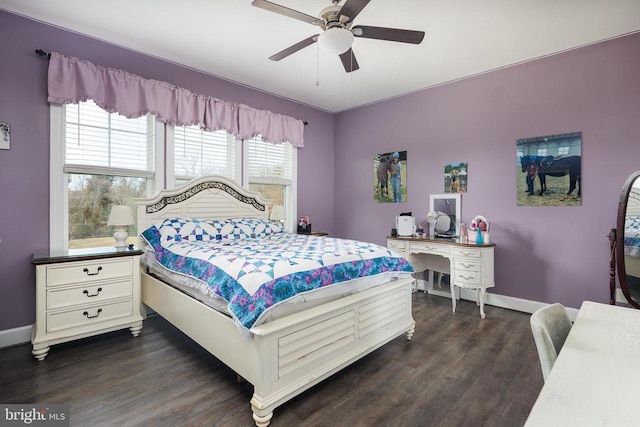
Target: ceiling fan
{"type": "Point", "coordinates": [338, 33]}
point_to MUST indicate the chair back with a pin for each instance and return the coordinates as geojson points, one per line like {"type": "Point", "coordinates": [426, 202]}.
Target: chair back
{"type": "Point", "coordinates": [550, 326]}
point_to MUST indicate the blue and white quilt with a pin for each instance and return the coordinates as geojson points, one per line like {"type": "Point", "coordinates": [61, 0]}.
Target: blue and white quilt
{"type": "Point", "coordinates": [253, 264]}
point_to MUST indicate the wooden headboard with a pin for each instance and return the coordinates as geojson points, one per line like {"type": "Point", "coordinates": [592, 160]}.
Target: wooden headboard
{"type": "Point", "coordinates": [207, 197]}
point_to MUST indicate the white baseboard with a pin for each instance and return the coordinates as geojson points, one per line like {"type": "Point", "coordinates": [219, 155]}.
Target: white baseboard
{"type": "Point", "coordinates": [15, 336]}
{"type": "Point", "coordinates": [497, 300]}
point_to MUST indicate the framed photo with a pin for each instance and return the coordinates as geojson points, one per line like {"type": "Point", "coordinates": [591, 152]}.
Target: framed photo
{"type": "Point", "coordinates": [5, 136]}
{"type": "Point", "coordinates": [549, 170]}
{"type": "Point", "coordinates": [455, 178]}
{"type": "Point", "coordinates": [390, 177]}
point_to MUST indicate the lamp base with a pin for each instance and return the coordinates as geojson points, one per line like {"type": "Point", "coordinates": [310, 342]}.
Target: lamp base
{"type": "Point", "coordinates": [121, 238]}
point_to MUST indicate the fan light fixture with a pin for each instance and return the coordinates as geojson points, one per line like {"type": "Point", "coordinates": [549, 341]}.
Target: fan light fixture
{"type": "Point", "coordinates": [335, 40]}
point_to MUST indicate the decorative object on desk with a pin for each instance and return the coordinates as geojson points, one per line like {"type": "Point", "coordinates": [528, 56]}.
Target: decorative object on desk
{"type": "Point", "coordinates": [5, 136]}
{"type": "Point", "coordinates": [405, 225]}
{"type": "Point", "coordinates": [479, 225]}
{"type": "Point", "coordinates": [479, 240]}
{"type": "Point", "coordinates": [277, 214]}
{"type": "Point", "coordinates": [390, 177]}
{"type": "Point", "coordinates": [455, 178]}
{"type": "Point", "coordinates": [559, 171]}
{"type": "Point", "coordinates": [441, 206]}
{"type": "Point", "coordinates": [464, 234]}
{"type": "Point", "coordinates": [120, 218]}
{"type": "Point", "coordinates": [304, 225]}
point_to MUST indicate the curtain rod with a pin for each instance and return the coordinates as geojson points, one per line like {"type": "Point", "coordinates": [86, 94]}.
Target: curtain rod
{"type": "Point", "coordinates": [41, 52]}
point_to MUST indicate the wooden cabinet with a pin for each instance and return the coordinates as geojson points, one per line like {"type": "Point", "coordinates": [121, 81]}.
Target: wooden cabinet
{"type": "Point", "coordinates": [470, 266]}
{"type": "Point", "coordinates": [83, 293]}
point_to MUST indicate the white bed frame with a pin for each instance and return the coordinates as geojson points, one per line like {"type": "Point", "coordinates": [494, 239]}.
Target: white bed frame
{"type": "Point", "coordinates": [286, 356]}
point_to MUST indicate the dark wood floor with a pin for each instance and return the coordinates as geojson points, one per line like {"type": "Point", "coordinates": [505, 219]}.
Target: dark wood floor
{"type": "Point", "coordinates": [458, 370]}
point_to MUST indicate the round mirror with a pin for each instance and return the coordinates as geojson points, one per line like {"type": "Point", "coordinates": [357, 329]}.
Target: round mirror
{"type": "Point", "coordinates": [628, 240]}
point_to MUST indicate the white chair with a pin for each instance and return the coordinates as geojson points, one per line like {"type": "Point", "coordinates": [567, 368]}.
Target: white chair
{"type": "Point", "coordinates": [550, 326]}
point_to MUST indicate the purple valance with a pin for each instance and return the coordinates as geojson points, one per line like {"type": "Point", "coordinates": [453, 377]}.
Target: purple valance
{"type": "Point", "coordinates": [72, 80]}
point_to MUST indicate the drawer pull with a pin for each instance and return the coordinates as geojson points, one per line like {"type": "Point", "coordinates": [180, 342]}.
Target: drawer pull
{"type": "Point", "coordinates": [93, 317]}
{"type": "Point", "coordinates": [86, 292]}
{"type": "Point", "coordinates": [466, 265]}
{"type": "Point", "coordinates": [466, 277]}
{"type": "Point", "coordinates": [86, 270]}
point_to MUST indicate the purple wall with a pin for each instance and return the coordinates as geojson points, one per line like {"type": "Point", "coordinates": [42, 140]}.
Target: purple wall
{"type": "Point", "coordinates": [542, 254]}
{"type": "Point", "coordinates": [24, 170]}
{"type": "Point", "coordinates": [545, 254]}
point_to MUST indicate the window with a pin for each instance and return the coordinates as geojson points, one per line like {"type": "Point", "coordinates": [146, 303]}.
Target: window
{"type": "Point", "coordinates": [563, 150]}
{"type": "Point", "coordinates": [107, 160]}
{"type": "Point", "coordinates": [198, 152]}
{"type": "Point", "coordinates": [271, 172]}
{"type": "Point", "coordinates": [99, 159]}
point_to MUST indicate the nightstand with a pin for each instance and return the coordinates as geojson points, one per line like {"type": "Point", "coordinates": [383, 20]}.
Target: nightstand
{"type": "Point", "coordinates": [85, 292]}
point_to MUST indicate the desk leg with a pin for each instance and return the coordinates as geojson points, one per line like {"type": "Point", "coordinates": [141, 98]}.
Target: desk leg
{"type": "Point", "coordinates": [481, 294]}
{"type": "Point", "coordinates": [453, 295]}
{"type": "Point", "coordinates": [430, 282]}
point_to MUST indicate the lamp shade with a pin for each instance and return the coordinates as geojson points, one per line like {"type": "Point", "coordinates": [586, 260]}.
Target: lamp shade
{"type": "Point", "coordinates": [335, 40]}
{"type": "Point", "coordinates": [120, 215]}
{"type": "Point", "coordinates": [277, 213]}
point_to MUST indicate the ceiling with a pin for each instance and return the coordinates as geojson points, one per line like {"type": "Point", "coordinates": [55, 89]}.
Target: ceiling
{"type": "Point", "coordinates": [232, 39]}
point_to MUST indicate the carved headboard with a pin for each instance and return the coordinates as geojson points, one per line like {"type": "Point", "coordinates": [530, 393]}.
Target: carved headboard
{"type": "Point", "coordinates": [207, 197]}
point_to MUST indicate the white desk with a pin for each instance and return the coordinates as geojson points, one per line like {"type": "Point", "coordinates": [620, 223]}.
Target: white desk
{"type": "Point", "coordinates": [596, 379]}
{"type": "Point", "coordinates": [470, 265]}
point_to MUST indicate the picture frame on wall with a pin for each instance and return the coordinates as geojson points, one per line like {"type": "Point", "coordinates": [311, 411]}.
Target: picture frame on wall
{"type": "Point", "coordinates": [5, 136]}
{"type": "Point", "coordinates": [390, 177]}
{"type": "Point", "coordinates": [549, 170]}
{"type": "Point", "coordinates": [456, 176]}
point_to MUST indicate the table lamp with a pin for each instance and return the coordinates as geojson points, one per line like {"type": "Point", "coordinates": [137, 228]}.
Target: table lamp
{"type": "Point", "coordinates": [277, 213]}
{"type": "Point", "coordinates": [120, 218]}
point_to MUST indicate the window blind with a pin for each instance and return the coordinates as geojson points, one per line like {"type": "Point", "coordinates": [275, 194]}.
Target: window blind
{"type": "Point", "coordinates": [269, 162]}
{"type": "Point", "coordinates": [198, 152]}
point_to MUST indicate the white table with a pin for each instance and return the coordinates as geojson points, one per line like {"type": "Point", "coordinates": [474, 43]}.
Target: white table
{"type": "Point", "coordinates": [470, 265]}
{"type": "Point", "coordinates": [596, 379]}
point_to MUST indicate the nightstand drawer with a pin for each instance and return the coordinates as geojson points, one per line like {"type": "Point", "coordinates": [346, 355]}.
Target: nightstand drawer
{"type": "Point", "coordinates": [88, 294]}
{"type": "Point", "coordinates": [88, 316]}
{"type": "Point", "coordinates": [82, 272]}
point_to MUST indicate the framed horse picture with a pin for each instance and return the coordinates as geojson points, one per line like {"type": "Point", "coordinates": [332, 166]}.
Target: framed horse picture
{"type": "Point", "coordinates": [549, 170]}
{"type": "Point", "coordinates": [390, 177]}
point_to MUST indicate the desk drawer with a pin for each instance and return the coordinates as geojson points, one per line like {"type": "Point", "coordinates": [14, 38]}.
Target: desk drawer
{"type": "Point", "coordinates": [398, 247]}
{"type": "Point", "coordinates": [88, 271]}
{"type": "Point", "coordinates": [468, 253]}
{"type": "Point", "coordinates": [89, 316]}
{"type": "Point", "coordinates": [467, 264]}
{"type": "Point", "coordinates": [467, 277]}
{"type": "Point", "coordinates": [430, 248]}
{"type": "Point", "coordinates": [88, 294]}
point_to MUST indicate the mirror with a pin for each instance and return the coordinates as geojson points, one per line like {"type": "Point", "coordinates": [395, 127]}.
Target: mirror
{"type": "Point", "coordinates": [627, 240]}
{"type": "Point", "coordinates": [447, 214]}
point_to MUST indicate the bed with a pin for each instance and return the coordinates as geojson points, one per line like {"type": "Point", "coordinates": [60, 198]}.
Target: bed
{"type": "Point", "coordinates": [287, 355]}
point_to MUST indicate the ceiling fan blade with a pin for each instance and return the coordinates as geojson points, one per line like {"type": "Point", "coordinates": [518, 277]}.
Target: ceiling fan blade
{"type": "Point", "coordinates": [294, 48]}
{"type": "Point", "coordinates": [349, 61]}
{"type": "Point", "coordinates": [390, 34]}
{"type": "Point", "coordinates": [291, 13]}
{"type": "Point", "coordinates": [352, 8]}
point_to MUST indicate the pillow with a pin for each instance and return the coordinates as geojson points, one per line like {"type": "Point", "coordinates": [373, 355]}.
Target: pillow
{"type": "Point", "coordinates": [193, 229]}
{"type": "Point", "coordinates": [255, 227]}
